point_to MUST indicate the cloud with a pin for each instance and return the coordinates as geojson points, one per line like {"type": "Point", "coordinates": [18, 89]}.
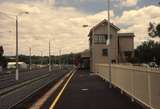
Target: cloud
{"type": "Point", "coordinates": [89, 0]}
{"type": "Point", "coordinates": [62, 25]}
{"type": "Point", "coordinates": [137, 21]}
{"type": "Point", "coordinates": [128, 2]}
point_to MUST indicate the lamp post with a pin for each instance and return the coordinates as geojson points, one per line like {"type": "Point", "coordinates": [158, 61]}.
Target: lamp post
{"type": "Point", "coordinates": [109, 46]}
{"type": "Point", "coordinates": [60, 59]}
{"type": "Point", "coordinates": [92, 40]}
{"type": "Point", "coordinates": [41, 58]}
{"type": "Point", "coordinates": [49, 55]}
{"type": "Point", "coordinates": [17, 58]}
{"type": "Point", "coordinates": [108, 43]}
{"type": "Point", "coordinates": [50, 58]}
{"type": "Point", "coordinates": [17, 27]}
{"type": "Point", "coordinates": [53, 61]}
{"type": "Point", "coordinates": [30, 59]}
{"type": "Point", "coordinates": [93, 50]}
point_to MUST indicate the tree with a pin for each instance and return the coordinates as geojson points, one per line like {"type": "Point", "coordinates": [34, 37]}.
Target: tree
{"type": "Point", "coordinates": [3, 60]}
{"type": "Point", "coordinates": [154, 30]}
{"type": "Point", "coordinates": [1, 51]}
{"type": "Point", "coordinates": [148, 51]}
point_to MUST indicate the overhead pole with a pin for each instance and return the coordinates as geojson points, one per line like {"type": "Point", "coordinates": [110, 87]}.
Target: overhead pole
{"type": "Point", "coordinates": [30, 59]}
{"type": "Point", "coordinates": [17, 58]}
{"type": "Point", "coordinates": [93, 53]}
{"type": "Point", "coordinates": [41, 58]}
{"type": "Point", "coordinates": [109, 47]}
{"type": "Point", "coordinates": [53, 61]}
{"type": "Point", "coordinates": [17, 36]}
{"type": "Point", "coordinates": [49, 55]}
{"type": "Point", "coordinates": [60, 59]}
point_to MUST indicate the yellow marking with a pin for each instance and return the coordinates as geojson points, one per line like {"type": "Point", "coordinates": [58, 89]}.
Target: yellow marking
{"type": "Point", "coordinates": [59, 95]}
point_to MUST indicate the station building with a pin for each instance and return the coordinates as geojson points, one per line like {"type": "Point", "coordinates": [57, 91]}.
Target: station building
{"type": "Point", "coordinates": [121, 49]}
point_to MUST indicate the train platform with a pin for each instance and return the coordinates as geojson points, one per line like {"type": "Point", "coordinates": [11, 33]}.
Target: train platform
{"type": "Point", "coordinates": [88, 91]}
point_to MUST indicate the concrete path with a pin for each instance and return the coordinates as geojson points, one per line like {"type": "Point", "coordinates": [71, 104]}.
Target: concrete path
{"type": "Point", "coordinates": [88, 91]}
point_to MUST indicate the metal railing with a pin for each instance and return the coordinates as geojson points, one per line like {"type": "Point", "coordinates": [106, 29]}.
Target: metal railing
{"type": "Point", "coordinates": [142, 84]}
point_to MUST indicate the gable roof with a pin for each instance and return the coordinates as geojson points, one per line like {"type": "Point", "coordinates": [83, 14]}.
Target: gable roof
{"type": "Point", "coordinates": [99, 24]}
{"type": "Point", "coordinates": [126, 35]}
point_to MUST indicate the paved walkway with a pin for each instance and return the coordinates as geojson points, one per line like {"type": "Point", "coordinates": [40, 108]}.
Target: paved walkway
{"type": "Point", "coordinates": [88, 91]}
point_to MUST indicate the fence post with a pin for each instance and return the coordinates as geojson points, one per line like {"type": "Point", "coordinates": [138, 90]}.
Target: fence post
{"type": "Point", "coordinates": [149, 88]}
{"type": "Point", "coordinates": [132, 84]}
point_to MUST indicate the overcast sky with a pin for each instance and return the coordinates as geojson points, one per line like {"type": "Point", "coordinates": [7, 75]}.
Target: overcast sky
{"type": "Point", "coordinates": [61, 21]}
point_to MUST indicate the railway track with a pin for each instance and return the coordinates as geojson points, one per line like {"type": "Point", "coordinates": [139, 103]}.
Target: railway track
{"type": "Point", "coordinates": [26, 88]}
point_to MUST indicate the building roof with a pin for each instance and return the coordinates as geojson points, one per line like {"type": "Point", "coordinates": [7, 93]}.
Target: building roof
{"type": "Point", "coordinates": [126, 35]}
{"type": "Point", "coordinates": [99, 24]}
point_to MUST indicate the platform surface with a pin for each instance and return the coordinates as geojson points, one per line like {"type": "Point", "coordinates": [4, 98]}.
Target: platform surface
{"type": "Point", "coordinates": [88, 91]}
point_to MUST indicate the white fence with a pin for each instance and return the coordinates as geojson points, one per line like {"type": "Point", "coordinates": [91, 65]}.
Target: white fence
{"type": "Point", "coordinates": [142, 84]}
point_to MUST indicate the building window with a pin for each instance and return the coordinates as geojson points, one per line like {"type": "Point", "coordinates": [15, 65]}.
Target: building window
{"type": "Point", "coordinates": [113, 61]}
{"type": "Point", "coordinates": [100, 39]}
{"type": "Point", "coordinates": [96, 39]}
{"type": "Point", "coordinates": [104, 52]}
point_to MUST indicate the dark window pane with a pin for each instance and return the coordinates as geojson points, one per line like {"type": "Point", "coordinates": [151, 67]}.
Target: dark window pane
{"type": "Point", "coordinates": [101, 38]}
{"type": "Point", "coordinates": [105, 52]}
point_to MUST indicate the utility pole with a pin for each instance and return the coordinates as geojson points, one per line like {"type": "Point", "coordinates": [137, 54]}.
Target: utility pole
{"type": "Point", "coordinates": [109, 46]}
{"type": "Point", "coordinates": [30, 59]}
{"type": "Point", "coordinates": [53, 61]}
{"type": "Point", "coordinates": [41, 58]}
{"type": "Point", "coordinates": [60, 59]}
{"type": "Point", "coordinates": [17, 36]}
{"type": "Point", "coordinates": [67, 59]}
{"type": "Point", "coordinates": [93, 60]}
{"type": "Point", "coordinates": [92, 47]}
{"type": "Point", "coordinates": [49, 55]}
{"type": "Point", "coordinates": [17, 59]}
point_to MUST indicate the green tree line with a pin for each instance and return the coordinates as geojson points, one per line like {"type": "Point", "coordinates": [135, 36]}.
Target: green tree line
{"type": "Point", "coordinates": [148, 51]}
{"type": "Point", "coordinates": [63, 59]}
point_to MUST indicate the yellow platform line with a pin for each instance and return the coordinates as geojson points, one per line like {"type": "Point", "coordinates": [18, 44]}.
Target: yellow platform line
{"type": "Point", "coordinates": [60, 93]}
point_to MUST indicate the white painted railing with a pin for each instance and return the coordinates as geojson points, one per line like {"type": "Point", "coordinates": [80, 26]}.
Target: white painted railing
{"type": "Point", "coordinates": [142, 84]}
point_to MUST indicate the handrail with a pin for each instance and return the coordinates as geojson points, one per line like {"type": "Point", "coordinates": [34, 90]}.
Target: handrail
{"type": "Point", "coordinates": [136, 68]}
{"type": "Point", "coordinates": [141, 84]}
